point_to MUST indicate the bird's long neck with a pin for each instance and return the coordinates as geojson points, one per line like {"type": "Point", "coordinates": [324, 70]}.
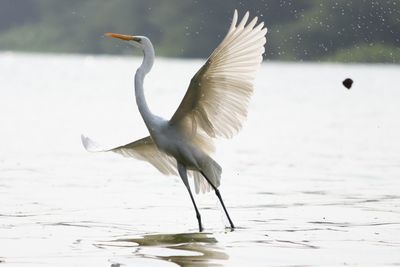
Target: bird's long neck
{"type": "Point", "coordinates": [148, 60]}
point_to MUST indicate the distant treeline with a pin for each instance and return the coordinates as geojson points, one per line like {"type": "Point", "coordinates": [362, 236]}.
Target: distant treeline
{"type": "Point", "coordinates": [312, 30]}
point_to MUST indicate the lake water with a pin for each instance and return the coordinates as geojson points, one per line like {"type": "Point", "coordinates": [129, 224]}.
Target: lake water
{"type": "Point", "coordinates": [312, 180]}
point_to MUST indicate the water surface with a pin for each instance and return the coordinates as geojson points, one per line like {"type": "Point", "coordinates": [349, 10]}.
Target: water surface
{"type": "Point", "coordinates": [312, 180]}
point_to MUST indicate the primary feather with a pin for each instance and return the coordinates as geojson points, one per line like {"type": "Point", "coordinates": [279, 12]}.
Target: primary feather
{"type": "Point", "coordinates": [142, 149]}
{"type": "Point", "coordinates": [217, 98]}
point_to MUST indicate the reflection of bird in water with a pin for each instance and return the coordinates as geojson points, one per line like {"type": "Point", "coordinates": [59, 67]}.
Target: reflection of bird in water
{"type": "Point", "coordinates": [215, 105]}
{"type": "Point", "coordinates": [193, 249]}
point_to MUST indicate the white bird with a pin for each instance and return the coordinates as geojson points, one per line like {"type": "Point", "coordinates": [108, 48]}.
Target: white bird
{"type": "Point", "coordinates": [215, 105]}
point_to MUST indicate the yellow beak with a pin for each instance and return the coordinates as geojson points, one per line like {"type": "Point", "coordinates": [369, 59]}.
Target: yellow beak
{"type": "Point", "coordinates": [120, 36]}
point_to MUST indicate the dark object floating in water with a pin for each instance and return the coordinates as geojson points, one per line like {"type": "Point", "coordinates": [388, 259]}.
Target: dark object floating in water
{"type": "Point", "coordinates": [348, 83]}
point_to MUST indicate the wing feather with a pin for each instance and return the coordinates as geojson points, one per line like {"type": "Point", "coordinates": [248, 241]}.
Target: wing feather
{"type": "Point", "coordinates": [142, 149]}
{"type": "Point", "coordinates": [215, 104]}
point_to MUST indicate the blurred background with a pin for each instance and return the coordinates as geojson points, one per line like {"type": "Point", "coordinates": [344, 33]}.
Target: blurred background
{"type": "Point", "coordinates": [315, 170]}
{"type": "Point", "coordinates": [299, 30]}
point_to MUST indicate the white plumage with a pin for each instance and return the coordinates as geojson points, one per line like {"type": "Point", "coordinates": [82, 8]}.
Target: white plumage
{"type": "Point", "coordinates": [142, 149]}
{"type": "Point", "coordinates": [218, 94]}
{"type": "Point", "coordinates": [215, 105]}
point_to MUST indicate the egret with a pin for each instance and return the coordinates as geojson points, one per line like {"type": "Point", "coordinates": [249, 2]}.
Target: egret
{"type": "Point", "coordinates": [215, 105]}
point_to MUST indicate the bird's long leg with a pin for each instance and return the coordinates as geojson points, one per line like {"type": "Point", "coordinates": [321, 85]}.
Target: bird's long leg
{"type": "Point", "coordinates": [220, 199]}
{"type": "Point", "coordinates": [183, 173]}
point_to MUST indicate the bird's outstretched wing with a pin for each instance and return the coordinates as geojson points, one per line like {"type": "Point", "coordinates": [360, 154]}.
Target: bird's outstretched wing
{"type": "Point", "coordinates": [143, 149]}
{"type": "Point", "coordinates": [218, 95]}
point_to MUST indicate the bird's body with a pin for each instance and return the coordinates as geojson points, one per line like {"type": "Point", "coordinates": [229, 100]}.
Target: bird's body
{"type": "Point", "coordinates": [171, 141]}
{"type": "Point", "coordinates": [214, 105]}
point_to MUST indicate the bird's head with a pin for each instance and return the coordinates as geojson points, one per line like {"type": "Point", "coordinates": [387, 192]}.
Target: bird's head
{"type": "Point", "coordinates": [137, 41]}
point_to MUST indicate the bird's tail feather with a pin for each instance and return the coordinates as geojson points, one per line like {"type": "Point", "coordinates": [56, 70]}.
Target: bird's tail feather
{"type": "Point", "coordinates": [212, 171]}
